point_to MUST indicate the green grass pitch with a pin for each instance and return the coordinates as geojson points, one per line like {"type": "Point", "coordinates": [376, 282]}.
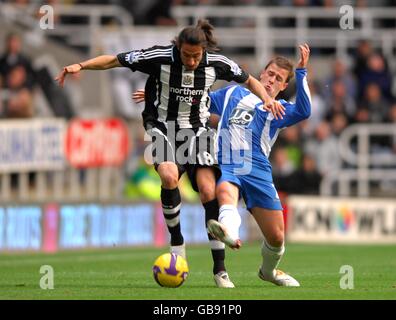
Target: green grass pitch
{"type": "Point", "coordinates": [125, 273]}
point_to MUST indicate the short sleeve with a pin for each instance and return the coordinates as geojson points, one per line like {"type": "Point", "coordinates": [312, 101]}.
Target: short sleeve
{"type": "Point", "coordinates": [227, 69]}
{"type": "Point", "coordinates": [145, 60]}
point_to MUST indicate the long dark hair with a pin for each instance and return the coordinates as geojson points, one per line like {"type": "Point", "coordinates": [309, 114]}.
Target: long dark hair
{"type": "Point", "coordinates": [201, 34]}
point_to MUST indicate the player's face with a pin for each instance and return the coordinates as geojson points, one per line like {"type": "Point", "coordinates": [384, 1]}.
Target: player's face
{"type": "Point", "coordinates": [191, 55]}
{"type": "Point", "coordinates": [274, 79]}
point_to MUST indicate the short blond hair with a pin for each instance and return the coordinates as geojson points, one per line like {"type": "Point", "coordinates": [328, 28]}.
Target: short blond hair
{"type": "Point", "coordinates": [283, 63]}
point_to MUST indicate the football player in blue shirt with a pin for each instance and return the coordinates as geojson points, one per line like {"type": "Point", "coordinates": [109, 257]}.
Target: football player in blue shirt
{"type": "Point", "coordinates": [246, 132]}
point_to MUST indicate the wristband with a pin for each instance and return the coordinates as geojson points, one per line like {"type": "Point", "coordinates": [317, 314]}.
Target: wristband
{"type": "Point", "coordinates": [81, 66]}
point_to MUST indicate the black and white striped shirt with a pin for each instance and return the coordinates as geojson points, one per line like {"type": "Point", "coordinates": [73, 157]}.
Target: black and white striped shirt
{"type": "Point", "coordinates": [173, 93]}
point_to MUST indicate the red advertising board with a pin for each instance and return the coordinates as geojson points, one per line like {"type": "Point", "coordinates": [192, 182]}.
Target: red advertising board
{"type": "Point", "coordinates": [96, 143]}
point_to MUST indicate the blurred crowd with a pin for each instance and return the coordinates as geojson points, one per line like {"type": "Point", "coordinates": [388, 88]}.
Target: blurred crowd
{"type": "Point", "coordinates": [295, 3]}
{"type": "Point", "coordinates": [361, 91]}
{"type": "Point", "coordinates": [158, 12]}
{"type": "Point", "coordinates": [20, 82]}
{"type": "Point", "coordinates": [17, 81]}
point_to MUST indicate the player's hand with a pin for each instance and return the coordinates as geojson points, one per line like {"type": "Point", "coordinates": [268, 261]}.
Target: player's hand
{"type": "Point", "coordinates": [73, 68]}
{"type": "Point", "coordinates": [304, 55]}
{"type": "Point", "coordinates": [275, 107]}
{"type": "Point", "coordinates": [138, 96]}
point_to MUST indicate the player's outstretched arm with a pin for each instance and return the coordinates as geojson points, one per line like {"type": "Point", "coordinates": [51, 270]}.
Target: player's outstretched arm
{"type": "Point", "coordinates": [304, 55]}
{"type": "Point", "coordinates": [99, 63]}
{"type": "Point", "coordinates": [302, 109]}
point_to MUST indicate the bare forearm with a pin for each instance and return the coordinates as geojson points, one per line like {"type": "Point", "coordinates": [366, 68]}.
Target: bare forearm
{"type": "Point", "coordinates": [101, 63]}
{"type": "Point", "coordinates": [257, 88]}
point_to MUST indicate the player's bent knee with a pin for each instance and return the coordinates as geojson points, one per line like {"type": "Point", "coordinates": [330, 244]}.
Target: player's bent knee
{"type": "Point", "coordinates": [224, 199]}
{"type": "Point", "coordinates": [223, 195]}
{"type": "Point", "coordinates": [169, 180]}
{"type": "Point", "coordinates": [276, 238]}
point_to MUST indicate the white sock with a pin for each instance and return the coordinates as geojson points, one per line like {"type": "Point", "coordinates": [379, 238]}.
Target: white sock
{"type": "Point", "coordinates": [271, 258]}
{"type": "Point", "coordinates": [231, 219]}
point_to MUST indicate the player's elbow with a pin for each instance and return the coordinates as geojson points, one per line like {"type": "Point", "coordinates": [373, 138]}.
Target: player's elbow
{"type": "Point", "coordinates": [307, 113]}
{"type": "Point", "coordinates": [252, 83]}
{"type": "Point", "coordinates": [304, 112]}
{"type": "Point", "coordinates": [111, 62]}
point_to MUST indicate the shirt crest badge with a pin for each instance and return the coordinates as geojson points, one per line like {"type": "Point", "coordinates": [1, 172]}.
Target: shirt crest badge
{"type": "Point", "coordinates": [187, 81]}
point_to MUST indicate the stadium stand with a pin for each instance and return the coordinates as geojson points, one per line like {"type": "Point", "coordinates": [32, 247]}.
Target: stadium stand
{"type": "Point", "coordinates": [352, 77]}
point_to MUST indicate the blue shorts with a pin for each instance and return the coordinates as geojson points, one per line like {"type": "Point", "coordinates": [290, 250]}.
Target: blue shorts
{"type": "Point", "coordinates": [256, 191]}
